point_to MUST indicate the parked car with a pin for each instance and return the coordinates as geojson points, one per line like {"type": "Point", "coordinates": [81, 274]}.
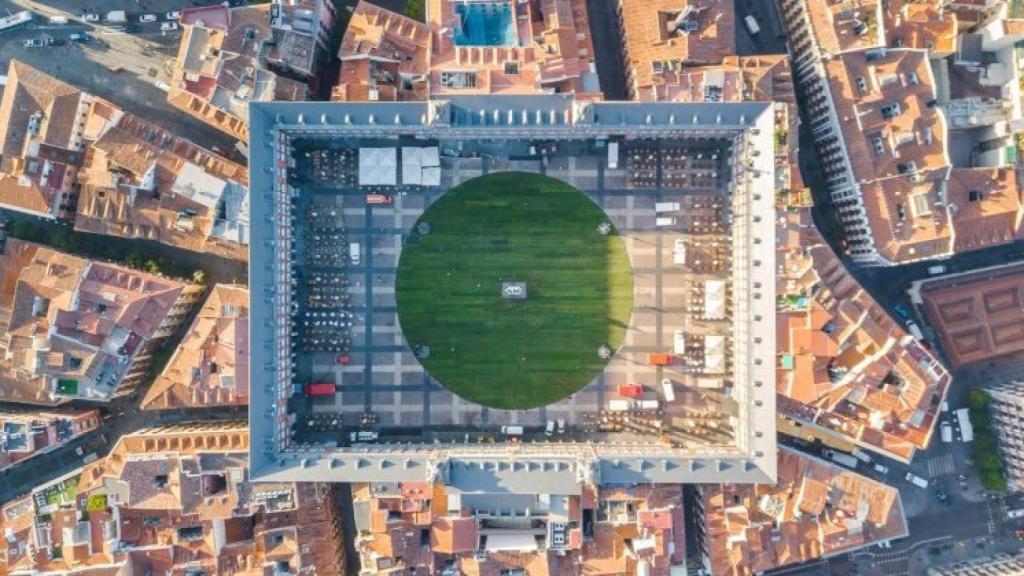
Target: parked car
{"type": "Point", "coordinates": [147, 18]}
{"type": "Point", "coordinates": [79, 37]}
{"type": "Point", "coordinates": [90, 17]}
{"type": "Point", "coordinates": [168, 26]}
{"type": "Point", "coordinates": [174, 15]}
{"type": "Point", "coordinates": [55, 41]}
{"type": "Point", "coordinates": [34, 43]}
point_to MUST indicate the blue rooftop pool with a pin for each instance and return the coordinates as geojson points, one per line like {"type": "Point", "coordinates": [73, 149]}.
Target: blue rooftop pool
{"type": "Point", "coordinates": [485, 24]}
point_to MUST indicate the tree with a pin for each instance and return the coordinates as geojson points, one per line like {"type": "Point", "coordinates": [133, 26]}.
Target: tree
{"type": "Point", "coordinates": [199, 277]}
{"type": "Point", "coordinates": [977, 399]}
{"type": "Point", "coordinates": [152, 266]}
{"type": "Point", "coordinates": [416, 9]}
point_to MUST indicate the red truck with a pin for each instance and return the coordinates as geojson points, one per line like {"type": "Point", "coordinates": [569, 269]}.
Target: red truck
{"type": "Point", "coordinates": [378, 199]}
{"type": "Point", "coordinates": [631, 391]}
{"type": "Point", "coordinates": [320, 389]}
{"type": "Point", "coordinates": [660, 359]}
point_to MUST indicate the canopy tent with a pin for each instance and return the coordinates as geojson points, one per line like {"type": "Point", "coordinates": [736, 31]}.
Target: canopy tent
{"type": "Point", "coordinates": [714, 299]}
{"type": "Point", "coordinates": [378, 166]}
{"type": "Point", "coordinates": [421, 166]}
{"type": "Point", "coordinates": [714, 353]}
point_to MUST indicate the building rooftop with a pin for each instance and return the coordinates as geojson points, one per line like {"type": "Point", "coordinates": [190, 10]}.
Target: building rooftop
{"type": "Point", "coordinates": [978, 315]}
{"type": "Point", "coordinates": [840, 27]}
{"type": "Point", "coordinates": [221, 67]}
{"type": "Point", "coordinates": [171, 499]}
{"type": "Point", "coordinates": [545, 47]}
{"type": "Point", "coordinates": [26, 434]}
{"type": "Point", "coordinates": [210, 367]}
{"type": "Point", "coordinates": [141, 181]}
{"type": "Point", "coordinates": [845, 365]}
{"type": "Point", "coordinates": [629, 530]}
{"type": "Point", "coordinates": [922, 25]}
{"type": "Point", "coordinates": [40, 141]}
{"type": "Point", "coordinates": [664, 35]}
{"type": "Point", "coordinates": [73, 327]}
{"type": "Point", "coordinates": [815, 509]}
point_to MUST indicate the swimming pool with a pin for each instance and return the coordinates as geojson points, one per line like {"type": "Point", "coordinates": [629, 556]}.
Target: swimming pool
{"type": "Point", "coordinates": [485, 24]}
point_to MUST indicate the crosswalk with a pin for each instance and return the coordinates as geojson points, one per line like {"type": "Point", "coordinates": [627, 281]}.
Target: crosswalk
{"type": "Point", "coordinates": [941, 465]}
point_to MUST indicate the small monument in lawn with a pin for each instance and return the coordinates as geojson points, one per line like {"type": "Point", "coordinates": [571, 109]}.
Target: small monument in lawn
{"type": "Point", "coordinates": [513, 289]}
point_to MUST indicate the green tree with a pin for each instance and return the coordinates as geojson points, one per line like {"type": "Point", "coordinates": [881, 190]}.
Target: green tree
{"type": "Point", "coordinates": [416, 9]}
{"type": "Point", "coordinates": [977, 399]}
{"type": "Point", "coordinates": [152, 266]}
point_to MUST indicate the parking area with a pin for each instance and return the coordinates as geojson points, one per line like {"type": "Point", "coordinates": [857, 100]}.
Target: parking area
{"type": "Point", "coordinates": [124, 62]}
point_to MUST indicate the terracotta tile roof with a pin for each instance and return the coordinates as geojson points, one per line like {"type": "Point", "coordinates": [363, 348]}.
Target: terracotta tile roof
{"type": "Point", "coordinates": [845, 365]}
{"type": "Point", "coordinates": [978, 315]}
{"type": "Point", "coordinates": [210, 365]}
{"type": "Point", "coordinates": [649, 41]}
{"type": "Point", "coordinates": [50, 106]}
{"type": "Point", "coordinates": [386, 56]}
{"type": "Point", "coordinates": [988, 208]}
{"type": "Point", "coordinates": [221, 67]}
{"type": "Point", "coordinates": [69, 318]}
{"type": "Point", "coordinates": [924, 25]}
{"type": "Point", "coordinates": [835, 25]}
{"type": "Point", "coordinates": [814, 509]}
{"type": "Point", "coordinates": [453, 535]}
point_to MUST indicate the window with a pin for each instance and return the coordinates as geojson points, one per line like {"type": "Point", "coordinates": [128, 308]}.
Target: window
{"type": "Point", "coordinates": [891, 110]}
{"type": "Point", "coordinates": [862, 85]}
{"type": "Point", "coordinates": [920, 205]}
{"type": "Point", "coordinates": [160, 481]}
{"type": "Point", "coordinates": [879, 145]}
{"type": "Point", "coordinates": [975, 195]}
{"type": "Point", "coordinates": [913, 79]}
{"type": "Point", "coordinates": [512, 68]}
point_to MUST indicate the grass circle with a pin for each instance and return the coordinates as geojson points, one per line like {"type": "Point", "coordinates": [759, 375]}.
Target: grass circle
{"type": "Point", "coordinates": [508, 353]}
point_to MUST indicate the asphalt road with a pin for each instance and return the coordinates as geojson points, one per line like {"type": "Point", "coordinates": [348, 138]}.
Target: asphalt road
{"type": "Point", "coordinates": [118, 66]}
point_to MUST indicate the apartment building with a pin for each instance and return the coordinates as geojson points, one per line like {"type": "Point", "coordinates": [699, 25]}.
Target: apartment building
{"type": "Point", "coordinates": [1007, 408]}
{"type": "Point", "coordinates": [210, 366]}
{"type": "Point", "coordinates": [223, 64]}
{"type": "Point", "coordinates": [529, 528]}
{"type": "Point", "coordinates": [912, 122]}
{"type": "Point", "coordinates": [75, 328]}
{"type": "Point", "coordinates": [815, 510]}
{"type": "Point", "coordinates": [303, 31]}
{"type": "Point", "coordinates": [846, 369]}
{"type": "Point", "coordinates": [173, 500]}
{"type": "Point", "coordinates": [27, 434]}
{"type": "Point", "coordinates": [977, 315]}
{"type": "Point", "coordinates": [468, 48]}
{"type": "Point", "coordinates": [42, 146]}
{"type": "Point", "coordinates": [997, 565]}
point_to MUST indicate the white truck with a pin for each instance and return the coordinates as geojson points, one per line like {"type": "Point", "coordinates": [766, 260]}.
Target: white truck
{"type": "Point", "coordinates": [665, 221]}
{"type": "Point", "coordinates": [353, 253]}
{"type": "Point", "coordinates": [363, 436]}
{"type": "Point", "coordinates": [613, 155]}
{"type": "Point", "coordinates": [512, 430]}
{"type": "Point", "coordinates": [679, 252]}
{"type": "Point", "coordinates": [916, 480]}
{"type": "Point", "coordinates": [619, 405]}
{"type": "Point", "coordinates": [1014, 514]}
{"type": "Point", "coordinates": [914, 330]}
{"type": "Point", "coordinates": [678, 343]}
{"type": "Point", "coordinates": [947, 432]}
{"type": "Point", "coordinates": [752, 25]}
{"type": "Point", "coordinates": [666, 206]}
{"type": "Point", "coordinates": [841, 458]}
{"type": "Point", "coordinates": [116, 17]}
{"type": "Point", "coordinates": [668, 390]}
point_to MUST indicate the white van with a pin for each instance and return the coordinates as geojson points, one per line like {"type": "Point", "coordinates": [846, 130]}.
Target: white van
{"type": "Point", "coordinates": [678, 343]}
{"type": "Point", "coordinates": [947, 432]}
{"type": "Point", "coordinates": [881, 469]}
{"type": "Point", "coordinates": [936, 270]}
{"type": "Point", "coordinates": [668, 390]}
{"type": "Point", "coordinates": [679, 252]}
{"type": "Point", "coordinates": [353, 253]}
{"type": "Point", "coordinates": [550, 428]}
{"type": "Point", "coordinates": [752, 25]}
{"type": "Point", "coordinates": [666, 206]}
{"type": "Point", "coordinates": [665, 221]}
{"type": "Point", "coordinates": [916, 480]}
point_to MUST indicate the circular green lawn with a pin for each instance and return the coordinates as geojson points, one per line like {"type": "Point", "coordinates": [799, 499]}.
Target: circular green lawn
{"type": "Point", "coordinates": [507, 353]}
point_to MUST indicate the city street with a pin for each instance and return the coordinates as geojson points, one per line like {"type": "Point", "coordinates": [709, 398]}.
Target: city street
{"type": "Point", "coordinates": [121, 63]}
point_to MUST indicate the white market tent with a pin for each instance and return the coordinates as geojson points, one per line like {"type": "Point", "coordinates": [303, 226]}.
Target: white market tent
{"type": "Point", "coordinates": [421, 166]}
{"type": "Point", "coordinates": [378, 166]}
{"type": "Point", "coordinates": [714, 299]}
{"type": "Point", "coordinates": [714, 353]}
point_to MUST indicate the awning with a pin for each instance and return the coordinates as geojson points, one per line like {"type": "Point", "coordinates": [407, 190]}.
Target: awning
{"type": "Point", "coordinates": [378, 166]}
